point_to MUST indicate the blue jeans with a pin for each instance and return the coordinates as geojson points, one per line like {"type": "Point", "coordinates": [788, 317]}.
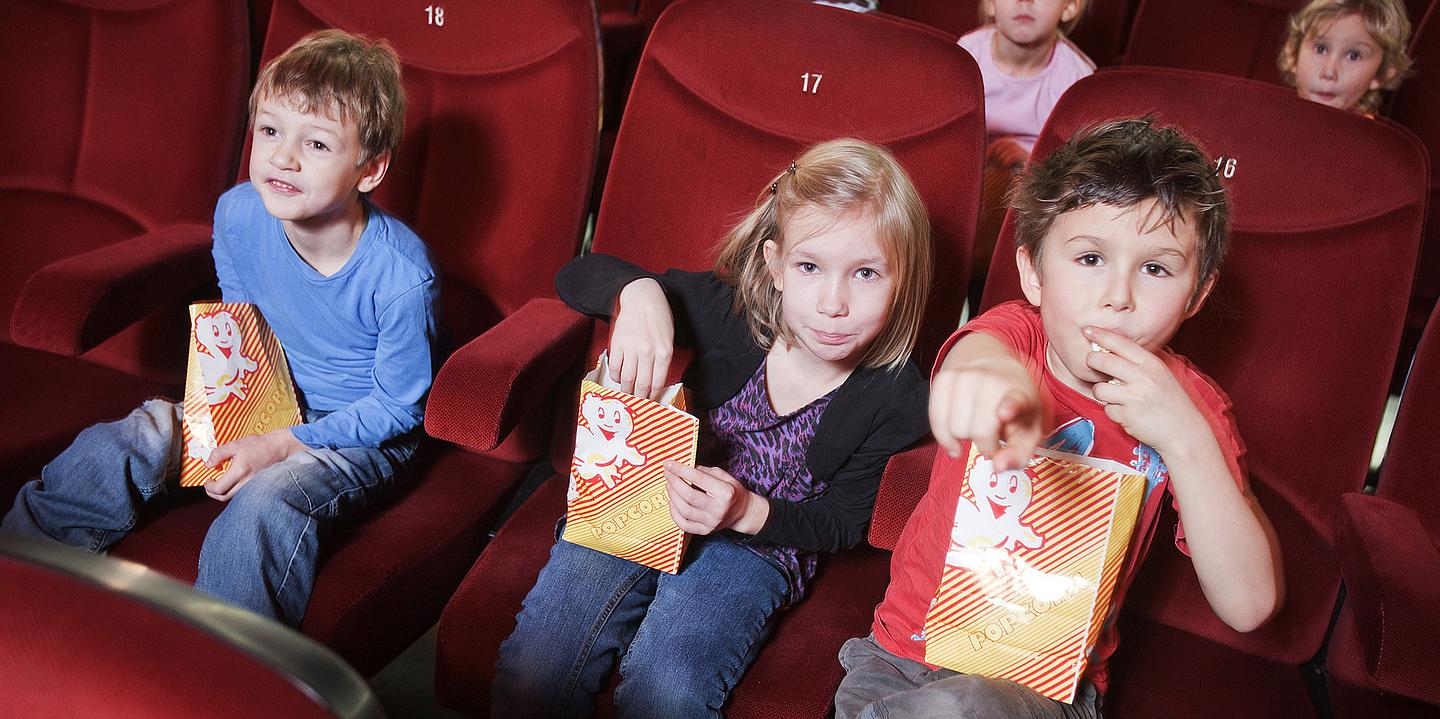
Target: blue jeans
{"type": "Point", "coordinates": [260, 553]}
{"type": "Point", "coordinates": [683, 640]}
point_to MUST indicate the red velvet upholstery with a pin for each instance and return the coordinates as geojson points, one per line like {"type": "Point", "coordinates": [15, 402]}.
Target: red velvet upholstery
{"type": "Point", "coordinates": [503, 101]}
{"type": "Point", "coordinates": [706, 128]}
{"type": "Point", "coordinates": [1417, 106]}
{"type": "Point", "coordinates": [1233, 37]}
{"type": "Point", "coordinates": [907, 476]}
{"type": "Point", "coordinates": [1101, 32]}
{"type": "Point", "coordinates": [87, 636]}
{"type": "Point", "coordinates": [133, 113]}
{"type": "Point", "coordinates": [42, 417]}
{"type": "Point", "coordinates": [1314, 290]}
{"type": "Point", "coordinates": [1382, 656]}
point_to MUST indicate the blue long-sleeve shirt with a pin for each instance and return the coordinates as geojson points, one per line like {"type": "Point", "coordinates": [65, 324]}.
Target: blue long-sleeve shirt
{"type": "Point", "coordinates": [361, 343]}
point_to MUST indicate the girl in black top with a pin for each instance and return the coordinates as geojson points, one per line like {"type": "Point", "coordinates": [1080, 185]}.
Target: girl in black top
{"type": "Point", "coordinates": [801, 371]}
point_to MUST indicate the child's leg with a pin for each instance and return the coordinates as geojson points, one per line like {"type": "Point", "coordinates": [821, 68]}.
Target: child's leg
{"type": "Point", "coordinates": [89, 495]}
{"type": "Point", "coordinates": [702, 632]}
{"type": "Point", "coordinates": [577, 619]}
{"type": "Point", "coordinates": [879, 684]}
{"type": "Point", "coordinates": [261, 552]}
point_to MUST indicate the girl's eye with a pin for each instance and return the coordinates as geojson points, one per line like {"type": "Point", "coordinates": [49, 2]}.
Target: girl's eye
{"type": "Point", "coordinates": [1320, 48]}
{"type": "Point", "coordinates": [1352, 55]}
{"type": "Point", "coordinates": [865, 273]}
{"type": "Point", "coordinates": [807, 267]}
{"type": "Point", "coordinates": [1089, 259]}
{"type": "Point", "coordinates": [1156, 269]}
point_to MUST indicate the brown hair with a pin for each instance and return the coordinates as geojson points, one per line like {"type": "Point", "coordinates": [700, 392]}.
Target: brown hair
{"type": "Point", "coordinates": [843, 178]}
{"type": "Point", "coordinates": [1122, 164]}
{"type": "Point", "coordinates": [987, 16]}
{"type": "Point", "coordinates": [332, 71]}
{"type": "Point", "coordinates": [1387, 24]}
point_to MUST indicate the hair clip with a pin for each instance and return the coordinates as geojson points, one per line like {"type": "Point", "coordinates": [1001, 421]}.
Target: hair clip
{"type": "Point", "coordinates": [775, 186]}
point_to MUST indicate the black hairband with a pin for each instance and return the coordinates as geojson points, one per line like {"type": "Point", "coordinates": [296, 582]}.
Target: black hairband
{"type": "Point", "coordinates": [775, 186]}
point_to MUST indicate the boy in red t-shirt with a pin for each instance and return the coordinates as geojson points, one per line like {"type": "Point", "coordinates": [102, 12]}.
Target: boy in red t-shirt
{"type": "Point", "coordinates": [1119, 236]}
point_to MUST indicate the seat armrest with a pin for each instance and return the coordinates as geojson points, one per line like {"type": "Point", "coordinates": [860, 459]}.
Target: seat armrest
{"type": "Point", "coordinates": [1390, 564]}
{"type": "Point", "coordinates": [487, 386]}
{"type": "Point", "coordinates": [906, 478]}
{"type": "Point", "coordinates": [69, 306]}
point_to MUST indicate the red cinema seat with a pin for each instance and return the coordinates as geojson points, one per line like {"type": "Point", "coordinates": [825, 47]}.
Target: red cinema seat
{"type": "Point", "coordinates": [1382, 656]}
{"type": "Point", "coordinates": [90, 636]}
{"type": "Point", "coordinates": [1101, 32]}
{"type": "Point", "coordinates": [1417, 106]}
{"type": "Point", "coordinates": [1232, 37]}
{"type": "Point", "coordinates": [494, 172]}
{"type": "Point", "coordinates": [1301, 331]}
{"type": "Point", "coordinates": [107, 186]}
{"type": "Point", "coordinates": [705, 130]}
{"type": "Point", "coordinates": [133, 114]}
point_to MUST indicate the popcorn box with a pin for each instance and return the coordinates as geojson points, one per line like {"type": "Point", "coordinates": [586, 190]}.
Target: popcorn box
{"type": "Point", "coordinates": [237, 384]}
{"type": "Point", "coordinates": [1033, 561]}
{"type": "Point", "coordinates": [617, 501]}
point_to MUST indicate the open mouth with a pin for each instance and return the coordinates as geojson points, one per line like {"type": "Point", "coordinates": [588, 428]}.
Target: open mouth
{"type": "Point", "coordinates": [282, 187]}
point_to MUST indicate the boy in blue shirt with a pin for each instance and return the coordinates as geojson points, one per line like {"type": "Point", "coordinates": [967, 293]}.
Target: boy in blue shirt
{"type": "Point", "coordinates": [349, 291]}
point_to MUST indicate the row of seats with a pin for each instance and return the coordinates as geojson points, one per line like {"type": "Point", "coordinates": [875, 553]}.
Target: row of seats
{"type": "Point", "coordinates": [495, 172]}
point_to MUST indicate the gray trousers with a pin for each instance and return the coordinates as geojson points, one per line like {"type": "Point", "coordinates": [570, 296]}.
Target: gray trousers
{"type": "Point", "coordinates": [878, 684]}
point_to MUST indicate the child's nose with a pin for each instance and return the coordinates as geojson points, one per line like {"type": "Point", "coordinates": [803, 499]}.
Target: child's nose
{"type": "Point", "coordinates": [1330, 69]}
{"type": "Point", "coordinates": [283, 156]}
{"type": "Point", "coordinates": [834, 299]}
{"type": "Point", "coordinates": [1118, 293]}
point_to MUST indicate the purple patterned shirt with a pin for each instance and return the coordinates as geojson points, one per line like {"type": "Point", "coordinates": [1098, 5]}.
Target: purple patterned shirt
{"type": "Point", "coordinates": [766, 452]}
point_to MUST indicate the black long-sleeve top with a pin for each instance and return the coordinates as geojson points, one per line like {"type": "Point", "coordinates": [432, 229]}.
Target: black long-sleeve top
{"type": "Point", "coordinates": [875, 413]}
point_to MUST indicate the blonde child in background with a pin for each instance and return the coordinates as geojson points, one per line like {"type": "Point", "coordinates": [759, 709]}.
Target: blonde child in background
{"type": "Point", "coordinates": [1344, 53]}
{"type": "Point", "coordinates": [1027, 63]}
{"type": "Point", "coordinates": [801, 375]}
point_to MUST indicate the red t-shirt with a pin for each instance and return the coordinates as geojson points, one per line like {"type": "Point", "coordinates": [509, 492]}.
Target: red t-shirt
{"type": "Point", "coordinates": [1081, 427]}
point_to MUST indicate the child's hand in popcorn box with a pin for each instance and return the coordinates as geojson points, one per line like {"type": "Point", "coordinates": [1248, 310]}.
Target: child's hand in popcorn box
{"type": "Point", "coordinates": [642, 339]}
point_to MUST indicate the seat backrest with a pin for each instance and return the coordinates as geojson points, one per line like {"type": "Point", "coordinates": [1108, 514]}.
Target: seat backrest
{"type": "Point", "coordinates": [1232, 37]}
{"type": "Point", "coordinates": [707, 126]}
{"type": "Point", "coordinates": [129, 116]}
{"type": "Point", "coordinates": [1303, 325]}
{"type": "Point", "coordinates": [1417, 106]}
{"type": "Point", "coordinates": [87, 635]}
{"type": "Point", "coordinates": [501, 126]}
{"type": "Point", "coordinates": [1101, 32]}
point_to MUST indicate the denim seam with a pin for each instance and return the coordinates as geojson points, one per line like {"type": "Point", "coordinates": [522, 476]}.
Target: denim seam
{"type": "Point", "coordinates": [596, 629]}
{"type": "Point", "coordinates": [309, 519]}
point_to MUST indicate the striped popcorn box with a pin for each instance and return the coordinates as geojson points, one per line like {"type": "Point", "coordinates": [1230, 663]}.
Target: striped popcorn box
{"type": "Point", "coordinates": [617, 499]}
{"type": "Point", "coordinates": [237, 384]}
{"type": "Point", "coordinates": [1033, 560]}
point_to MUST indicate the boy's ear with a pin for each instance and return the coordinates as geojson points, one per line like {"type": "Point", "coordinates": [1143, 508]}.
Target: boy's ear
{"type": "Point", "coordinates": [1029, 275]}
{"type": "Point", "coordinates": [373, 172]}
{"type": "Point", "coordinates": [772, 260]}
{"type": "Point", "coordinates": [1200, 296]}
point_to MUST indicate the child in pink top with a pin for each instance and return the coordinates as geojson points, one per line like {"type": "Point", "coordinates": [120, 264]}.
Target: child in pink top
{"type": "Point", "coordinates": [1027, 63]}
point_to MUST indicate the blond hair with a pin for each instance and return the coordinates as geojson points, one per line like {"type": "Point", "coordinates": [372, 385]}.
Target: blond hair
{"type": "Point", "coordinates": [987, 16]}
{"type": "Point", "coordinates": [1387, 24]}
{"type": "Point", "coordinates": [333, 72]}
{"type": "Point", "coordinates": [841, 178]}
